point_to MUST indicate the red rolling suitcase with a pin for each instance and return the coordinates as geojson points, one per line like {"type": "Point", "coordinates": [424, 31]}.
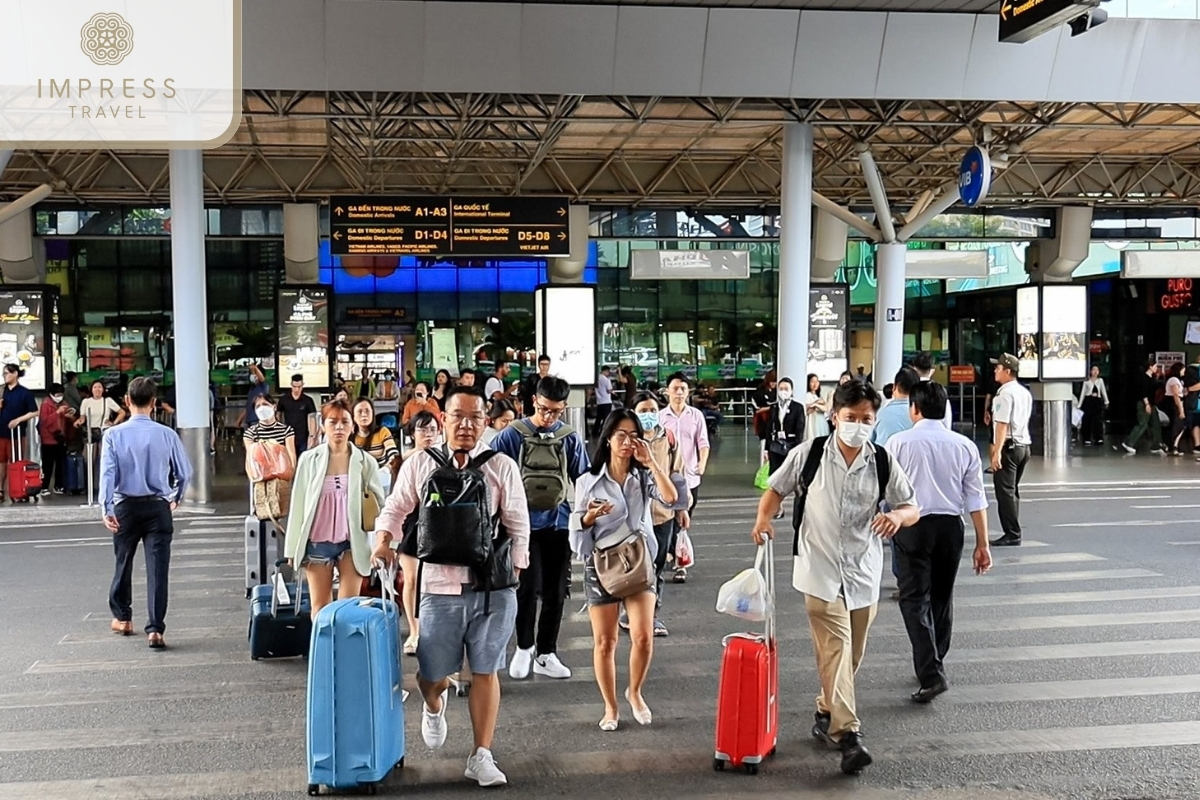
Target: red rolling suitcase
{"type": "Point", "coordinates": [24, 477]}
{"type": "Point", "coordinates": [748, 693]}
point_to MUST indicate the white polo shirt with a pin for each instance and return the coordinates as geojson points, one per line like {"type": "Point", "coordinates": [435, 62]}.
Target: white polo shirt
{"type": "Point", "coordinates": [1013, 404]}
{"type": "Point", "coordinates": [837, 552]}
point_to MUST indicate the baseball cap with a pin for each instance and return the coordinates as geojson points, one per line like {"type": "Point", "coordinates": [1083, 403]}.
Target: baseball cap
{"type": "Point", "coordinates": [1008, 360]}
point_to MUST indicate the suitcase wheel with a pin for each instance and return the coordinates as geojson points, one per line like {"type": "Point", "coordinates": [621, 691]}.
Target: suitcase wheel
{"type": "Point", "coordinates": [773, 749]}
{"type": "Point", "coordinates": [752, 769]}
{"type": "Point", "coordinates": [718, 765]}
{"type": "Point", "coordinates": [400, 763]}
{"type": "Point", "coordinates": [313, 790]}
{"type": "Point", "coordinates": [371, 789]}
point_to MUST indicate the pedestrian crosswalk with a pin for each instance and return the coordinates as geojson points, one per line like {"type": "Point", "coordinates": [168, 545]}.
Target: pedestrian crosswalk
{"type": "Point", "coordinates": [1072, 649]}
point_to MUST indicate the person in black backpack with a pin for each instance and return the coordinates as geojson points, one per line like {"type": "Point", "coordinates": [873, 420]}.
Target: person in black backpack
{"type": "Point", "coordinates": [551, 456]}
{"type": "Point", "coordinates": [840, 482]}
{"type": "Point", "coordinates": [473, 543]}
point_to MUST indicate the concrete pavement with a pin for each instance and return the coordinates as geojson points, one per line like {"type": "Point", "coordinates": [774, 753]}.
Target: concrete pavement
{"type": "Point", "coordinates": [1075, 671]}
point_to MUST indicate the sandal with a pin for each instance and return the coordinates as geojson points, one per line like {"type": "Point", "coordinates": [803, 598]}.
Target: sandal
{"type": "Point", "coordinates": [410, 645]}
{"type": "Point", "coordinates": [660, 630]}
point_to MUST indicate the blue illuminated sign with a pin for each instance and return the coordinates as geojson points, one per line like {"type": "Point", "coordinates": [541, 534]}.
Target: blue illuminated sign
{"type": "Point", "coordinates": [974, 177]}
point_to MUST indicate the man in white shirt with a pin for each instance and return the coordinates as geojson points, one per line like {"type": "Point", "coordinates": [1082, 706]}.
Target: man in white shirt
{"type": "Point", "coordinates": [1011, 409]}
{"type": "Point", "coordinates": [923, 364]}
{"type": "Point", "coordinates": [494, 388]}
{"type": "Point", "coordinates": [947, 477]}
{"type": "Point", "coordinates": [604, 401]}
{"type": "Point", "coordinates": [838, 551]}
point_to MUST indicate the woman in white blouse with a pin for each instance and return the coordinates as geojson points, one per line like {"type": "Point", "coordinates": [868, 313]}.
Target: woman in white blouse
{"type": "Point", "coordinates": [816, 408]}
{"type": "Point", "coordinates": [611, 500]}
{"type": "Point", "coordinates": [98, 413]}
{"type": "Point", "coordinates": [1093, 399]}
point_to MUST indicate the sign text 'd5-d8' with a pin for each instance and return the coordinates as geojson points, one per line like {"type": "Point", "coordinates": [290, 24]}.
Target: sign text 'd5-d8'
{"type": "Point", "coordinates": [1022, 20]}
{"type": "Point", "coordinates": [449, 226]}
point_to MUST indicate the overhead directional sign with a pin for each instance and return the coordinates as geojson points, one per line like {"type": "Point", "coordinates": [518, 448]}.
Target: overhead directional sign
{"type": "Point", "coordinates": [1022, 20]}
{"type": "Point", "coordinates": [449, 226]}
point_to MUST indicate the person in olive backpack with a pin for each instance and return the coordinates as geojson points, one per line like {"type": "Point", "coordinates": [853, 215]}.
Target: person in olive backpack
{"type": "Point", "coordinates": [551, 456]}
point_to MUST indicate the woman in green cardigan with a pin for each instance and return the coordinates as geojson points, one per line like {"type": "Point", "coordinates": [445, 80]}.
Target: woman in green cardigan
{"type": "Point", "coordinates": [325, 526]}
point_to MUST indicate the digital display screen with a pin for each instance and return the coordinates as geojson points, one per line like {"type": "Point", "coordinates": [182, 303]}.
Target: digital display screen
{"type": "Point", "coordinates": [1028, 325]}
{"type": "Point", "coordinates": [302, 327]}
{"type": "Point", "coordinates": [1064, 333]}
{"type": "Point", "coordinates": [828, 339]}
{"type": "Point", "coordinates": [567, 331]}
{"type": "Point", "coordinates": [23, 336]}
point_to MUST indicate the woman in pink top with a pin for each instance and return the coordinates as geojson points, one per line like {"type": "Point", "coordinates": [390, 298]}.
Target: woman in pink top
{"type": "Point", "coordinates": [325, 527]}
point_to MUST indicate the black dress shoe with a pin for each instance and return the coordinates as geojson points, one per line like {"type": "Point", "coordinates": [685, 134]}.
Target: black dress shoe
{"type": "Point", "coordinates": [1007, 540]}
{"type": "Point", "coordinates": [926, 694]}
{"type": "Point", "coordinates": [820, 729]}
{"type": "Point", "coordinates": [854, 755]}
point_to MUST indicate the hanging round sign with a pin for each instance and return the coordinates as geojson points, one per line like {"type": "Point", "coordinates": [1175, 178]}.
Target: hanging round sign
{"type": "Point", "coordinates": [974, 176]}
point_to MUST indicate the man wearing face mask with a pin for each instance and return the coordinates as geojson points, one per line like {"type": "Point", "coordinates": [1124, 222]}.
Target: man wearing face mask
{"type": "Point", "coordinates": [840, 481]}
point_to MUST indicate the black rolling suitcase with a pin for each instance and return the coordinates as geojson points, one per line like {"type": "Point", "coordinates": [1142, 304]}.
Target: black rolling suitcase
{"type": "Point", "coordinates": [279, 630]}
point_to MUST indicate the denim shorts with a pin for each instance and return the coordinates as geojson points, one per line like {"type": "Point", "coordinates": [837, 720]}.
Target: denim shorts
{"type": "Point", "coordinates": [325, 553]}
{"type": "Point", "coordinates": [593, 590]}
{"type": "Point", "coordinates": [450, 623]}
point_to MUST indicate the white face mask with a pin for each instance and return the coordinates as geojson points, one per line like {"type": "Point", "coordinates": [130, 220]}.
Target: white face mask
{"type": "Point", "coordinates": [56, 398]}
{"type": "Point", "coordinates": [265, 413]}
{"type": "Point", "coordinates": [854, 434]}
{"type": "Point", "coordinates": [784, 395]}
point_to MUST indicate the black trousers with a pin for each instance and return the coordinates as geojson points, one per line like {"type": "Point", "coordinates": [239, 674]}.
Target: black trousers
{"type": "Point", "coordinates": [928, 556]}
{"type": "Point", "coordinates": [602, 412]}
{"type": "Point", "coordinates": [1092, 427]}
{"type": "Point", "coordinates": [54, 464]}
{"type": "Point", "coordinates": [1007, 481]}
{"type": "Point", "coordinates": [548, 576]}
{"type": "Point", "coordinates": [142, 520]}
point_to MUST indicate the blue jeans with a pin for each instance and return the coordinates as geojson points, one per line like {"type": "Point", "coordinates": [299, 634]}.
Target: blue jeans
{"type": "Point", "coordinates": [142, 520]}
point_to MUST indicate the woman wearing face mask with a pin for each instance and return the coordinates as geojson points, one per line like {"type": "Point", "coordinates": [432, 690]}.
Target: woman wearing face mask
{"type": "Point", "coordinates": [421, 401]}
{"type": "Point", "coordinates": [667, 520]}
{"type": "Point", "coordinates": [51, 427]}
{"type": "Point", "coordinates": [612, 500]}
{"type": "Point", "coordinates": [325, 527]}
{"type": "Point", "coordinates": [269, 428]}
{"type": "Point", "coordinates": [786, 426]}
{"type": "Point", "coordinates": [816, 410]}
{"type": "Point", "coordinates": [426, 432]}
{"type": "Point", "coordinates": [501, 414]}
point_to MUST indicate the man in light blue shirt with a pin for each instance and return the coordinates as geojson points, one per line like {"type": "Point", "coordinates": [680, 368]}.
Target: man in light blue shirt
{"type": "Point", "coordinates": [947, 477]}
{"type": "Point", "coordinates": [143, 475]}
{"type": "Point", "coordinates": [893, 417]}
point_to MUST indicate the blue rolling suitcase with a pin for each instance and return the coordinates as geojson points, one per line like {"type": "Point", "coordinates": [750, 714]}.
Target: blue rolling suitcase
{"type": "Point", "coordinates": [74, 474]}
{"type": "Point", "coordinates": [355, 701]}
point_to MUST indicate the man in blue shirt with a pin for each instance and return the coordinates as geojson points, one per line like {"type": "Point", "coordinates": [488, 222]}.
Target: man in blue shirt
{"type": "Point", "coordinates": [893, 418]}
{"type": "Point", "coordinates": [143, 475]}
{"type": "Point", "coordinates": [551, 456]}
{"type": "Point", "coordinates": [17, 406]}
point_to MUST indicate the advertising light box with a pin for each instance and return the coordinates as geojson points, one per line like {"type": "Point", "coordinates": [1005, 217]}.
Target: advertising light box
{"type": "Point", "coordinates": [828, 335]}
{"type": "Point", "coordinates": [1029, 322]}
{"type": "Point", "coordinates": [1064, 332]}
{"type": "Point", "coordinates": [566, 331]}
{"type": "Point", "coordinates": [27, 338]}
{"type": "Point", "coordinates": [305, 341]}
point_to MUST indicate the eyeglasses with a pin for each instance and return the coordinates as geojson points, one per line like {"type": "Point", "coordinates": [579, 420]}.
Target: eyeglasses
{"type": "Point", "coordinates": [428, 430]}
{"type": "Point", "coordinates": [474, 420]}
{"type": "Point", "coordinates": [625, 436]}
{"type": "Point", "coordinates": [549, 413]}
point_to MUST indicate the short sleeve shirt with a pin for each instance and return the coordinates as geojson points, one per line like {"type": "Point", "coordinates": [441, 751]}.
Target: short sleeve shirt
{"type": "Point", "coordinates": [836, 552]}
{"type": "Point", "coordinates": [1013, 405]}
{"type": "Point", "coordinates": [277, 432]}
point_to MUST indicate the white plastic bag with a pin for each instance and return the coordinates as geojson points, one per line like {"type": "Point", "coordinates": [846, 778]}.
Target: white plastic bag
{"type": "Point", "coordinates": [745, 597]}
{"type": "Point", "coordinates": [1076, 417]}
{"type": "Point", "coordinates": [685, 554]}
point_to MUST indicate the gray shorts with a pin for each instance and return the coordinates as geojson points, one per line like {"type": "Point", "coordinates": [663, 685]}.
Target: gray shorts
{"type": "Point", "coordinates": [451, 622]}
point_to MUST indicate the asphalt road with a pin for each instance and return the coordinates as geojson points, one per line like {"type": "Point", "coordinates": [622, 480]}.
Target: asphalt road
{"type": "Point", "coordinates": [1075, 671]}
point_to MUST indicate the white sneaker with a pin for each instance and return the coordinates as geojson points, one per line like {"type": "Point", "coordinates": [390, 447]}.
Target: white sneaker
{"type": "Point", "coordinates": [482, 767]}
{"type": "Point", "coordinates": [1128, 449]}
{"type": "Point", "coordinates": [551, 667]}
{"type": "Point", "coordinates": [433, 726]}
{"type": "Point", "coordinates": [522, 660]}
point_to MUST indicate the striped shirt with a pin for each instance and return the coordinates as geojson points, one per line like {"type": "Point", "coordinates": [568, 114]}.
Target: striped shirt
{"type": "Point", "coordinates": [379, 446]}
{"type": "Point", "coordinates": [276, 431]}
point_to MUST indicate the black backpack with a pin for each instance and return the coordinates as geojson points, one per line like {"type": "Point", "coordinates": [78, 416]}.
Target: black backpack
{"type": "Point", "coordinates": [812, 462]}
{"type": "Point", "coordinates": [455, 525]}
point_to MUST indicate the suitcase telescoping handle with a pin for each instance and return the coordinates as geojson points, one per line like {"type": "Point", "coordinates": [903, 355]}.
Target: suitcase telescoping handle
{"type": "Point", "coordinates": [299, 597]}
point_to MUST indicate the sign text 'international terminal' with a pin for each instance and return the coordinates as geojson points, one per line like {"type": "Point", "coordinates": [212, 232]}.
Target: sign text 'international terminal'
{"type": "Point", "coordinates": [449, 226]}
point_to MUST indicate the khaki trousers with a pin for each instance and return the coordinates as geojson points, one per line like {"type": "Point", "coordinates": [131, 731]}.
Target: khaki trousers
{"type": "Point", "coordinates": [840, 640]}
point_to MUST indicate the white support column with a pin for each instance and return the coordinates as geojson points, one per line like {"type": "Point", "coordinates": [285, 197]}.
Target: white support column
{"type": "Point", "coordinates": [795, 252]}
{"type": "Point", "coordinates": [890, 264]}
{"type": "Point", "coordinates": [22, 257]}
{"type": "Point", "coordinates": [190, 308]}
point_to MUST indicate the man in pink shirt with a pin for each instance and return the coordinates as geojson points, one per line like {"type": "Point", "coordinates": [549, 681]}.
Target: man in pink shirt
{"type": "Point", "coordinates": [687, 426]}
{"type": "Point", "coordinates": [453, 615]}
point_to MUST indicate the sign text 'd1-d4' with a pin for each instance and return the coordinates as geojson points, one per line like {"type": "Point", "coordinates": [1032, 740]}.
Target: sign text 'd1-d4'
{"type": "Point", "coordinates": [450, 226]}
{"type": "Point", "coordinates": [1022, 20]}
